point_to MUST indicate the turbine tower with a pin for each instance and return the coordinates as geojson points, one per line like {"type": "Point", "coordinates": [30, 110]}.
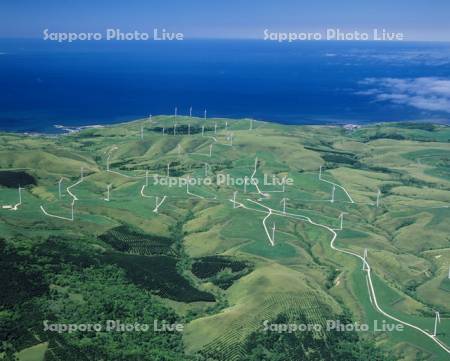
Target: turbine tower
{"type": "Point", "coordinates": [284, 204]}
{"type": "Point", "coordinates": [109, 157]}
{"type": "Point", "coordinates": [365, 266]}
{"type": "Point", "coordinates": [332, 194]}
{"type": "Point", "coordinates": [108, 188]}
{"type": "Point", "coordinates": [59, 187]}
{"type": "Point", "coordinates": [436, 321]}
{"type": "Point", "coordinates": [341, 216]}
{"type": "Point", "coordinates": [187, 184]}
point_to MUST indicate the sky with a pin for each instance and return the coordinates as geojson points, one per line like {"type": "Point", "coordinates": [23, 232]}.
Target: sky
{"type": "Point", "coordinates": [417, 19]}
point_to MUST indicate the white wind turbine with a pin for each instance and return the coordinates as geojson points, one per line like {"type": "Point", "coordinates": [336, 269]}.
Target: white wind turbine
{"type": "Point", "coordinates": [436, 321]}
{"type": "Point", "coordinates": [332, 194]}
{"type": "Point", "coordinates": [108, 191]}
{"type": "Point", "coordinates": [109, 157]}
{"type": "Point", "coordinates": [284, 204]}
{"type": "Point", "coordinates": [365, 265]}
{"type": "Point", "coordinates": [341, 217]}
{"type": "Point", "coordinates": [60, 187]}
{"type": "Point", "coordinates": [234, 199]}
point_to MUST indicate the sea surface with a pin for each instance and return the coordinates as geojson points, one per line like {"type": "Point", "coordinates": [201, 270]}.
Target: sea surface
{"type": "Point", "coordinates": [45, 83]}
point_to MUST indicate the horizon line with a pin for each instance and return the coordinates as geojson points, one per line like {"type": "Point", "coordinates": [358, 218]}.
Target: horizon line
{"type": "Point", "coordinates": [196, 38]}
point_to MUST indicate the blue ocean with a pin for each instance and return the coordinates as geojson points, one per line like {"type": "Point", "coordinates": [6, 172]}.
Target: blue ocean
{"type": "Point", "coordinates": [45, 83]}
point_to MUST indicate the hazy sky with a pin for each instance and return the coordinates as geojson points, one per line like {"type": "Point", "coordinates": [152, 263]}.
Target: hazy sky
{"type": "Point", "coordinates": [418, 19]}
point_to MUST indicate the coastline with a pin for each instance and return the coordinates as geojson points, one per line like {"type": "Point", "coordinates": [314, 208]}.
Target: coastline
{"type": "Point", "coordinates": [60, 129]}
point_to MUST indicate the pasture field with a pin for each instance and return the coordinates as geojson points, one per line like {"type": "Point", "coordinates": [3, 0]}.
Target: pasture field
{"type": "Point", "coordinates": [200, 229]}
